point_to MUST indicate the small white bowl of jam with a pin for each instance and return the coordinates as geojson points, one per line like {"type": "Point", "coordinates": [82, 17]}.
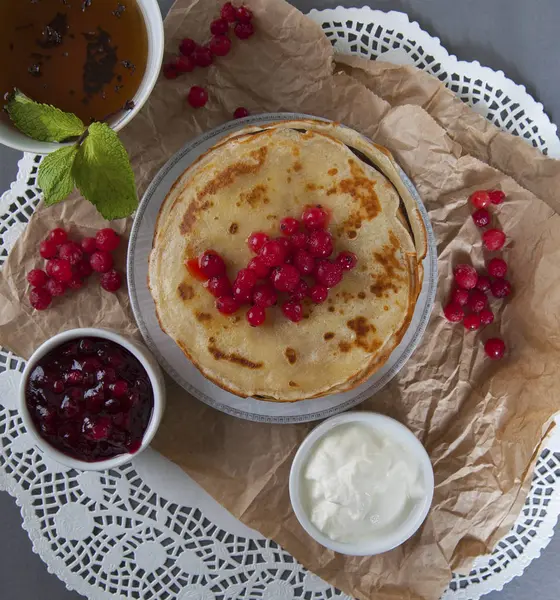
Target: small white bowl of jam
{"type": "Point", "coordinates": [92, 399]}
{"type": "Point", "coordinates": [361, 484]}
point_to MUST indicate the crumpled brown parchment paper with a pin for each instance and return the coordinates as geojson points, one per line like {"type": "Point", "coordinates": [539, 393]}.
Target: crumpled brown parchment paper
{"type": "Point", "coordinates": [481, 422]}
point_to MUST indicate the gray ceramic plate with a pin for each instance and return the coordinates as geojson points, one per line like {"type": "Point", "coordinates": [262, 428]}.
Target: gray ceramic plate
{"type": "Point", "coordinates": [177, 364]}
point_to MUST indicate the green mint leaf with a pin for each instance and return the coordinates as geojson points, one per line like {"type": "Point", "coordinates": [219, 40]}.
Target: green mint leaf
{"type": "Point", "coordinates": [55, 174]}
{"type": "Point", "coordinates": [42, 122]}
{"type": "Point", "coordinates": [103, 174]}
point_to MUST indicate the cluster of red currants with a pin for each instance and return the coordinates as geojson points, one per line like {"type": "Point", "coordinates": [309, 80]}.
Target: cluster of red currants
{"type": "Point", "coordinates": [281, 264]}
{"type": "Point", "coordinates": [192, 55]}
{"type": "Point", "coordinates": [472, 287]}
{"type": "Point", "coordinates": [70, 263]}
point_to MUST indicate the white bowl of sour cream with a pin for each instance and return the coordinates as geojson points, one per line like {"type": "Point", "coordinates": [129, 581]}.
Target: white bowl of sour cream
{"type": "Point", "coordinates": [361, 484]}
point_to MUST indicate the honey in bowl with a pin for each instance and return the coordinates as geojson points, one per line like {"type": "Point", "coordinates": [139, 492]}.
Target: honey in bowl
{"type": "Point", "coordinates": [87, 57]}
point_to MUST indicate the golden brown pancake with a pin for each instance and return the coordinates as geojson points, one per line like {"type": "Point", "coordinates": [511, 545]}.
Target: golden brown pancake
{"type": "Point", "coordinates": [249, 182]}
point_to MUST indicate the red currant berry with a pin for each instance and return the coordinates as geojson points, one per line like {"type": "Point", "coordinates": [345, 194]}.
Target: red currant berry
{"type": "Point", "coordinates": [183, 64]}
{"type": "Point", "coordinates": [243, 14]}
{"type": "Point", "coordinates": [486, 316]}
{"type": "Point", "coordinates": [219, 27]}
{"type": "Point", "coordinates": [480, 199]}
{"type": "Point", "coordinates": [219, 286]}
{"type": "Point", "coordinates": [500, 288]}
{"type": "Point", "coordinates": [273, 253]}
{"type": "Point", "coordinates": [170, 71]}
{"type": "Point", "coordinates": [101, 261]}
{"type": "Point", "coordinates": [211, 264]}
{"type": "Point", "coordinates": [477, 300]}
{"type": "Point", "coordinates": [59, 269]}
{"type": "Point", "coordinates": [285, 278]}
{"type": "Point", "coordinates": [301, 291]}
{"type": "Point", "coordinates": [472, 322]}
{"type": "Point", "coordinates": [71, 252]}
{"type": "Point", "coordinates": [76, 282]}
{"type": "Point", "coordinates": [202, 56]}
{"type": "Point", "coordinates": [293, 311]}
{"type": "Point", "coordinates": [465, 276]}
{"type": "Point", "coordinates": [246, 278]}
{"type": "Point", "coordinates": [496, 196]}
{"type": "Point", "coordinates": [481, 217]}
{"type": "Point", "coordinates": [242, 295]}
{"type": "Point", "coordinates": [47, 249]}
{"type": "Point", "coordinates": [227, 305]}
{"type": "Point", "coordinates": [304, 262]}
{"type": "Point", "coordinates": [55, 288]}
{"type": "Point", "coordinates": [187, 46]}
{"type": "Point", "coordinates": [299, 240]}
{"type": "Point", "coordinates": [83, 269]}
{"type": "Point", "coordinates": [318, 293]}
{"type": "Point", "coordinates": [219, 45]}
{"type": "Point", "coordinates": [228, 12]}
{"type": "Point", "coordinates": [89, 245]}
{"type": "Point", "coordinates": [495, 348]}
{"type": "Point", "coordinates": [58, 236]}
{"type": "Point", "coordinates": [328, 273]}
{"type": "Point", "coordinates": [240, 113]}
{"type": "Point", "coordinates": [347, 260]}
{"type": "Point", "coordinates": [289, 225]}
{"type": "Point", "coordinates": [264, 295]}
{"type": "Point", "coordinates": [314, 217]}
{"type": "Point", "coordinates": [260, 269]}
{"type": "Point", "coordinates": [244, 30]}
{"type": "Point", "coordinates": [483, 283]}
{"type": "Point", "coordinates": [497, 267]}
{"type": "Point", "coordinates": [454, 312]}
{"type": "Point", "coordinates": [459, 296]}
{"type": "Point", "coordinates": [256, 316]}
{"type": "Point", "coordinates": [39, 298]}
{"type": "Point", "coordinates": [197, 96]}
{"type": "Point", "coordinates": [111, 281]}
{"type": "Point", "coordinates": [320, 244]}
{"type": "Point", "coordinates": [493, 239]}
{"type": "Point", "coordinates": [256, 241]}
{"type": "Point", "coordinates": [37, 278]}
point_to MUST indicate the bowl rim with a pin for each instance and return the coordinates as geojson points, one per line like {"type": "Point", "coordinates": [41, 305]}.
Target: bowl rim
{"type": "Point", "coordinates": [153, 21]}
{"type": "Point", "coordinates": [147, 361]}
{"type": "Point", "coordinates": [401, 533]}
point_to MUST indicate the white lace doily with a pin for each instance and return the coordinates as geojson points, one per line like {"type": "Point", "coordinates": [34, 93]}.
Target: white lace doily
{"type": "Point", "coordinates": [145, 530]}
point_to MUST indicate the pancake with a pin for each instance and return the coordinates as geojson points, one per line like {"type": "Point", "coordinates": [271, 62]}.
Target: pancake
{"type": "Point", "coordinates": [249, 182]}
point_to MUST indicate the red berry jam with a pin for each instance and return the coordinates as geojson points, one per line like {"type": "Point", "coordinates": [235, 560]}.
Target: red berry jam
{"type": "Point", "coordinates": [82, 407]}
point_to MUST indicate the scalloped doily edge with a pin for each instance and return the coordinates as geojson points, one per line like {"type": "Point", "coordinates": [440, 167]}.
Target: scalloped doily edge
{"type": "Point", "coordinates": [434, 43]}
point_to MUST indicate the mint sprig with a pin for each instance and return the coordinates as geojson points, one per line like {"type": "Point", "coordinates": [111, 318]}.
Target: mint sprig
{"type": "Point", "coordinates": [42, 122]}
{"type": "Point", "coordinates": [102, 173]}
{"type": "Point", "coordinates": [97, 164]}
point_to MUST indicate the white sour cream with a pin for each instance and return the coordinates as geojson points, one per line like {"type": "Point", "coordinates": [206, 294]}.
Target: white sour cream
{"type": "Point", "coordinates": [358, 483]}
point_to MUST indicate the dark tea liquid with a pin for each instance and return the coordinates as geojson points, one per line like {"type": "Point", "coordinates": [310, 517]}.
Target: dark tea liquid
{"type": "Point", "coordinates": [87, 57]}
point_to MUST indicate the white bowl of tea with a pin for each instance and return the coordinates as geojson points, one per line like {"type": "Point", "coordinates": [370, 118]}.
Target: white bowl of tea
{"type": "Point", "coordinates": [87, 57]}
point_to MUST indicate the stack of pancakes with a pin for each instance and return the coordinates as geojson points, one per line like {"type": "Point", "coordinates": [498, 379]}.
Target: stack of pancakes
{"type": "Point", "coordinates": [249, 182]}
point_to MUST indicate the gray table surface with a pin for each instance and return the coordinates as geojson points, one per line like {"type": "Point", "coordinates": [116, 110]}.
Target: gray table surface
{"type": "Point", "coordinates": [515, 36]}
